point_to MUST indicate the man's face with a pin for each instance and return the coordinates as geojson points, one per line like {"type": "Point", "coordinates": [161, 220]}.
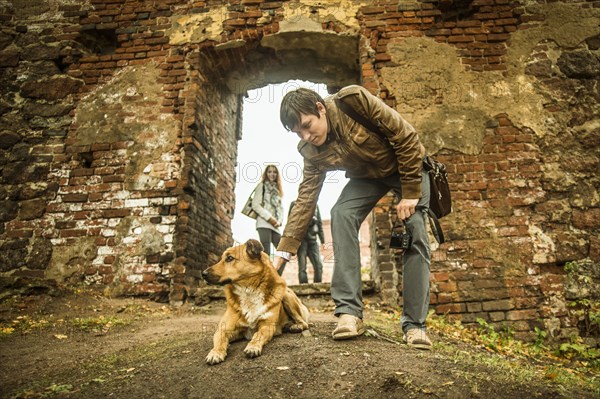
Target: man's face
{"type": "Point", "coordinates": [311, 128]}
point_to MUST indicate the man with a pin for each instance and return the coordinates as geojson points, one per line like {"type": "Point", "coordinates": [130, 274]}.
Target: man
{"type": "Point", "coordinates": [310, 248]}
{"type": "Point", "coordinates": [375, 162]}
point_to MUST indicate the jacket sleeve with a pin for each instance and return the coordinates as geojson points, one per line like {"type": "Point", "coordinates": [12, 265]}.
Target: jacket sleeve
{"type": "Point", "coordinates": [304, 208]}
{"type": "Point", "coordinates": [401, 135]}
{"type": "Point", "coordinates": [257, 202]}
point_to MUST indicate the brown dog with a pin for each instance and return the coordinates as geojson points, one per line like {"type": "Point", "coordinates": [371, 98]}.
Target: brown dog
{"type": "Point", "coordinates": [259, 304]}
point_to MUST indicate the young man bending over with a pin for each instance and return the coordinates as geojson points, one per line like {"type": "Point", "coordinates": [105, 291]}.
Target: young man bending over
{"type": "Point", "coordinates": [375, 163]}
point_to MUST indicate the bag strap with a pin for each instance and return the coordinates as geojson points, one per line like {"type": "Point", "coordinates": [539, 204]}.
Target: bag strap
{"type": "Point", "coordinates": [262, 198]}
{"type": "Point", "coordinates": [437, 232]}
{"type": "Point", "coordinates": [352, 113]}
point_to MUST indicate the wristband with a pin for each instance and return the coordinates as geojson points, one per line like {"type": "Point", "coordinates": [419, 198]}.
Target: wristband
{"type": "Point", "coordinates": [283, 254]}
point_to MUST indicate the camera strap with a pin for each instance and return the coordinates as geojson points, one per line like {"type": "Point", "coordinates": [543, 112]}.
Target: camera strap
{"type": "Point", "coordinates": [399, 224]}
{"type": "Point", "coordinates": [434, 222]}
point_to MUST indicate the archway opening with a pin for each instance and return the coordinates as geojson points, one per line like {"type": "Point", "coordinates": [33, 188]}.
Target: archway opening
{"type": "Point", "coordinates": [232, 79]}
{"type": "Point", "coordinates": [264, 142]}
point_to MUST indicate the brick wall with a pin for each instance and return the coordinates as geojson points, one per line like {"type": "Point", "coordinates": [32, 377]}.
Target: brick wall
{"type": "Point", "coordinates": [119, 121]}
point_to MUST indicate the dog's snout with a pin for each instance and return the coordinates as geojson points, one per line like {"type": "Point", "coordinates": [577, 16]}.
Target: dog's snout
{"type": "Point", "coordinates": [209, 277]}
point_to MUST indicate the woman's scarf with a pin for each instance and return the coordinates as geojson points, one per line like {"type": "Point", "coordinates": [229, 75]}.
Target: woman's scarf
{"type": "Point", "coordinates": [272, 200]}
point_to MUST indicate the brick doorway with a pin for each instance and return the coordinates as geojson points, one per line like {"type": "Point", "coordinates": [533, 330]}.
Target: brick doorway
{"type": "Point", "coordinates": [213, 126]}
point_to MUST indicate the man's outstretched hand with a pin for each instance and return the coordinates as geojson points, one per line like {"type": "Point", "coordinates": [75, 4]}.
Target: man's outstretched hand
{"type": "Point", "coordinates": [278, 263]}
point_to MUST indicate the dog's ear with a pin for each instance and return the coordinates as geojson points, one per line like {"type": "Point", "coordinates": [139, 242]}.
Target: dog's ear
{"type": "Point", "coordinates": [253, 249]}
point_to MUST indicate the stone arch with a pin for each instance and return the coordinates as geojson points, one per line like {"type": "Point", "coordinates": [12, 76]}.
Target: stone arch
{"type": "Point", "coordinates": [212, 126]}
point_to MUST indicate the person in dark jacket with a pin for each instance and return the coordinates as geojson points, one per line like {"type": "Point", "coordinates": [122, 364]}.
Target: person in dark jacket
{"type": "Point", "coordinates": [310, 248]}
{"type": "Point", "coordinates": [375, 162]}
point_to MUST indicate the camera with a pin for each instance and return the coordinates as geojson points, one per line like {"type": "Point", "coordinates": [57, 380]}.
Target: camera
{"type": "Point", "coordinates": [401, 237]}
{"type": "Point", "coordinates": [401, 241]}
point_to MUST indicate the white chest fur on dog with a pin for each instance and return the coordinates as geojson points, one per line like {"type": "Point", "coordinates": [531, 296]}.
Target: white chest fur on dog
{"type": "Point", "coordinates": [252, 304]}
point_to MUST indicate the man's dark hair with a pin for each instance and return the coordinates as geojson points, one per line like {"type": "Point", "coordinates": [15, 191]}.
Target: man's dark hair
{"type": "Point", "coordinates": [296, 102]}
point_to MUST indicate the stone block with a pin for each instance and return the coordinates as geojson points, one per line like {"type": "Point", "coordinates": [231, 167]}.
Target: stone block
{"type": "Point", "coordinates": [587, 220]}
{"type": "Point", "coordinates": [51, 89]}
{"type": "Point", "coordinates": [8, 139]}
{"type": "Point", "coordinates": [12, 258]}
{"type": "Point", "coordinates": [9, 57]}
{"type": "Point", "coordinates": [39, 52]}
{"type": "Point", "coordinates": [32, 209]}
{"type": "Point", "coordinates": [579, 64]}
{"type": "Point", "coordinates": [40, 254]}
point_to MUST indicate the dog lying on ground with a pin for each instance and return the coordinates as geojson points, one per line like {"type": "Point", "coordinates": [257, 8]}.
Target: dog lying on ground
{"type": "Point", "coordinates": [259, 303]}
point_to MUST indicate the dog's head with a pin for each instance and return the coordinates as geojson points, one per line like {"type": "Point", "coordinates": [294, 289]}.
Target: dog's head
{"type": "Point", "coordinates": [237, 263]}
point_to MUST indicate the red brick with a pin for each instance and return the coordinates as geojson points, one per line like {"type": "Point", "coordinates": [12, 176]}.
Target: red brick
{"type": "Point", "coordinates": [19, 233]}
{"type": "Point", "coordinates": [73, 233]}
{"type": "Point", "coordinates": [461, 39]}
{"type": "Point", "coordinates": [450, 308]}
{"type": "Point", "coordinates": [526, 314]}
{"type": "Point", "coordinates": [75, 197]}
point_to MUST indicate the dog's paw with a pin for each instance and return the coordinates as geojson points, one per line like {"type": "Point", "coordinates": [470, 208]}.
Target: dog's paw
{"type": "Point", "coordinates": [297, 328]}
{"type": "Point", "coordinates": [215, 357]}
{"type": "Point", "coordinates": [253, 350]}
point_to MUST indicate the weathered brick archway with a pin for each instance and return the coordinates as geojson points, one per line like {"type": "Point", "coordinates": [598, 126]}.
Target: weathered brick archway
{"type": "Point", "coordinates": [119, 121]}
{"type": "Point", "coordinates": [222, 76]}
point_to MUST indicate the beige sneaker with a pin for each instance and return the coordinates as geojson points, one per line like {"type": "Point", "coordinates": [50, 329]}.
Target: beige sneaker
{"type": "Point", "coordinates": [348, 327]}
{"type": "Point", "coordinates": [417, 338]}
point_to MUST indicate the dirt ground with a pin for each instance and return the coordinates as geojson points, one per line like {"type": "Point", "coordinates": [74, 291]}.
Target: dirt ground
{"type": "Point", "coordinates": [79, 345]}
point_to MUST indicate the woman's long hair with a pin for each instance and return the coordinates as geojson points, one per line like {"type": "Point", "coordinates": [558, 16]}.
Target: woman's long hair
{"type": "Point", "coordinates": [265, 178]}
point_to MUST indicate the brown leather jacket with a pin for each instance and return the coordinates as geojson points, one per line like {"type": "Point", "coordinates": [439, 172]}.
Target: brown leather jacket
{"type": "Point", "coordinates": [358, 151]}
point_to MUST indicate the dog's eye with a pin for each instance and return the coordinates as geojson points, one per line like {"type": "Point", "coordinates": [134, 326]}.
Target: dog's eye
{"type": "Point", "coordinates": [229, 258]}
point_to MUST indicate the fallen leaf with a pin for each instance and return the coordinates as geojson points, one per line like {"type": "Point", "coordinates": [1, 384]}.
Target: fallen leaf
{"type": "Point", "coordinates": [60, 336]}
{"type": "Point", "coordinates": [551, 376]}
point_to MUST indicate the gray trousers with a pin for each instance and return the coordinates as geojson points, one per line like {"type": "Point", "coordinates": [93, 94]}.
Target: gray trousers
{"type": "Point", "coordinates": [357, 199]}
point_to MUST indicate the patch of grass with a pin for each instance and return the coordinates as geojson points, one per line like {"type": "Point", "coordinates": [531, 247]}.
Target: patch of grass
{"type": "Point", "coordinates": [509, 358]}
{"type": "Point", "coordinates": [48, 392]}
{"type": "Point", "coordinates": [22, 325]}
{"type": "Point", "coordinates": [534, 359]}
{"type": "Point", "coordinates": [100, 324]}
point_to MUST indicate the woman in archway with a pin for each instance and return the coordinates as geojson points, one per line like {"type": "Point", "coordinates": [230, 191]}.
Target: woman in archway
{"type": "Point", "coordinates": [267, 203]}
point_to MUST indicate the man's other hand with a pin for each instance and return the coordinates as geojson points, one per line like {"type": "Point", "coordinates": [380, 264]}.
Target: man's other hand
{"type": "Point", "coordinates": [406, 208]}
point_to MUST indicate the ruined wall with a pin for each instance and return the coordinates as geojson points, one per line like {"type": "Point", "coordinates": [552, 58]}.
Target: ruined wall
{"type": "Point", "coordinates": [110, 123]}
{"type": "Point", "coordinates": [119, 121]}
{"type": "Point", "coordinates": [506, 96]}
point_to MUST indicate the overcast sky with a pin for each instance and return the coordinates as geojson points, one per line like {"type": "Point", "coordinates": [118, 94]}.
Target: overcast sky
{"type": "Point", "coordinates": [265, 141]}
